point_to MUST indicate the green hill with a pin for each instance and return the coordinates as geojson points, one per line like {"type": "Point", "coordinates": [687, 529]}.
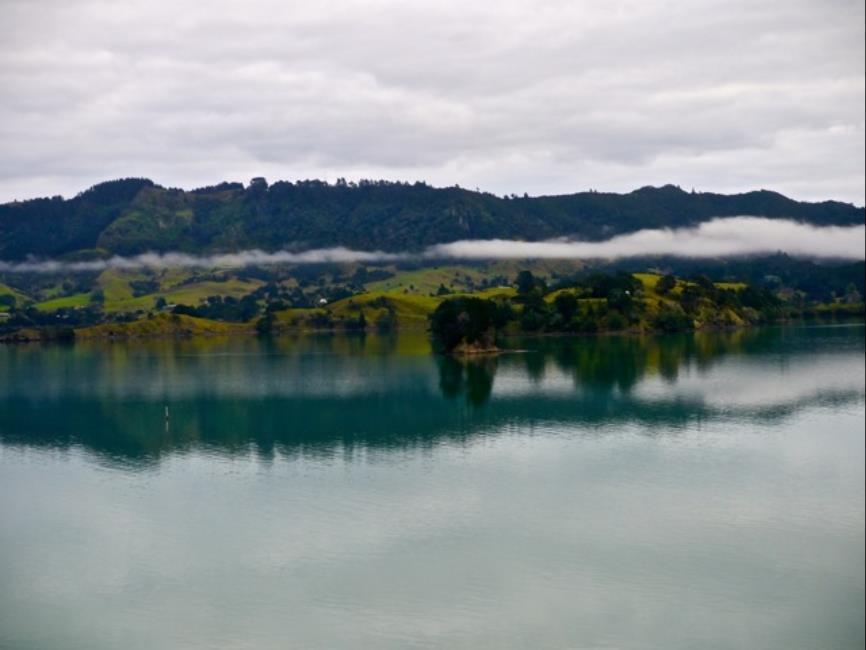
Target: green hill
{"type": "Point", "coordinates": [131, 216]}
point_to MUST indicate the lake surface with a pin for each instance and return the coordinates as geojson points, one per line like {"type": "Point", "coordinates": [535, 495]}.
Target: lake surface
{"type": "Point", "coordinates": [700, 491]}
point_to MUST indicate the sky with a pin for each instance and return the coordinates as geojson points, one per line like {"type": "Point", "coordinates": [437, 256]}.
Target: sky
{"type": "Point", "coordinates": [540, 96]}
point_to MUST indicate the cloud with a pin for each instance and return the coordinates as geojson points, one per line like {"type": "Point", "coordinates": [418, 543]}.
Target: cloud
{"type": "Point", "coordinates": [543, 96]}
{"type": "Point", "coordinates": [723, 237]}
{"type": "Point", "coordinates": [716, 238]}
{"type": "Point", "coordinates": [184, 260]}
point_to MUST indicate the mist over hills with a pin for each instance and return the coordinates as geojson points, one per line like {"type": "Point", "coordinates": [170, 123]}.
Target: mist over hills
{"type": "Point", "coordinates": [131, 216]}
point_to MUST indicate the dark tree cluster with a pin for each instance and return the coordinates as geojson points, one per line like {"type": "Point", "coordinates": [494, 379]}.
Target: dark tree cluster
{"type": "Point", "coordinates": [51, 323]}
{"type": "Point", "coordinates": [612, 303]}
{"type": "Point", "coordinates": [224, 308]}
{"type": "Point", "coordinates": [469, 320]}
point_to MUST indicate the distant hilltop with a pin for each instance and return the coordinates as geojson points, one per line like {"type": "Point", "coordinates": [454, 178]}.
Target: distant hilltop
{"type": "Point", "coordinates": [135, 215]}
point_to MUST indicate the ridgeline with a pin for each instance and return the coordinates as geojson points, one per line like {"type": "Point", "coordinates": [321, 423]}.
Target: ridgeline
{"type": "Point", "coordinates": [131, 216]}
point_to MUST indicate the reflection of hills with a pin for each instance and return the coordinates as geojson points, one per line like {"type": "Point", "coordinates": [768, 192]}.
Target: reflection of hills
{"type": "Point", "coordinates": [303, 399]}
{"type": "Point", "coordinates": [318, 425]}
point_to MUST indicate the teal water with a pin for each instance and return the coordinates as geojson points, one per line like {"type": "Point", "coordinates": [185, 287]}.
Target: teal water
{"type": "Point", "coordinates": [700, 491]}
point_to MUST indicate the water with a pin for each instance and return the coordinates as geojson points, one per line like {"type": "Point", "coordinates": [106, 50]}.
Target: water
{"type": "Point", "coordinates": [700, 491]}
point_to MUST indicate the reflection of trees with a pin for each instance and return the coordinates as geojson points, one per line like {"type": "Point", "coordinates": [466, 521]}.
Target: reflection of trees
{"type": "Point", "coordinates": [319, 396]}
{"type": "Point", "coordinates": [605, 363]}
{"type": "Point", "coordinates": [479, 379]}
{"type": "Point", "coordinates": [608, 363]}
{"type": "Point", "coordinates": [619, 362]}
{"type": "Point", "coordinates": [450, 377]}
{"type": "Point", "coordinates": [535, 363]}
{"type": "Point", "coordinates": [472, 377]}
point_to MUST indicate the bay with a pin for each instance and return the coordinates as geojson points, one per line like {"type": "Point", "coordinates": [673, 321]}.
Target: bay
{"type": "Point", "coordinates": [701, 490]}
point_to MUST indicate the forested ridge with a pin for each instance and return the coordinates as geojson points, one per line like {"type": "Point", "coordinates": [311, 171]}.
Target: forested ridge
{"type": "Point", "coordinates": [130, 216]}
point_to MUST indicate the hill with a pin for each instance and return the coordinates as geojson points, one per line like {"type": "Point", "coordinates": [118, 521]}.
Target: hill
{"type": "Point", "coordinates": [130, 216]}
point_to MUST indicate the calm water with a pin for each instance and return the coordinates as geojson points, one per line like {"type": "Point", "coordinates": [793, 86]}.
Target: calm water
{"type": "Point", "coordinates": [698, 491]}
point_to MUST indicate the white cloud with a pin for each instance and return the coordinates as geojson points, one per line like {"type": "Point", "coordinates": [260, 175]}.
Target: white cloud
{"type": "Point", "coordinates": [222, 260]}
{"type": "Point", "coordinates": [721, 237]}
{"type": "Point", "coordinates": [544, 97]}
{"type": "Point", "coordinates": [716, 238]}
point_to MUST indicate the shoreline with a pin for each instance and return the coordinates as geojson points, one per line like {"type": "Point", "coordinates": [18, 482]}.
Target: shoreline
{"type": "Point", "coordinates": [243, 330]}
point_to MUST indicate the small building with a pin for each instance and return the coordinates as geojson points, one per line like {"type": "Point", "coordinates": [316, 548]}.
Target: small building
{"type": "Point", "coordinates": [322, 302]}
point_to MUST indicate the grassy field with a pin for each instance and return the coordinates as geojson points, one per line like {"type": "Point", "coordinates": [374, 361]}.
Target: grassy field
{"type": "Point", "coordinates": [732, 286]}
{"type": "Point", "coordinates": [119, 294]}
{"type": "Point", "coordinates": [459, 278]}
{"type": "Point", "coordinates": [410, 309]}
{"type": "Point", "coordinates": [190, 294]}
{"type": "Point", "coordinates": [66, 302]}
{"type": "Point", "coordinates": [404, 301]}
{"type": "Point", "coordinates": [648, 280]}
{"type": "Point", "coordinates": [6, 290]}
{"type": "Point", "coordinates": [161, 326]}
{"type": "Point", "coordinates": [408, 293]}
{"type": "Point", "coordinates": [427, 281]}
{"type": "Point", "coordinates": [651, 297]}
{"type": "Point", "coordinates": [495, 292]}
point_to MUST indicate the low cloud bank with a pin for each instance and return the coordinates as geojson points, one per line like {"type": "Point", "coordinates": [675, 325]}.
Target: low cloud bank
{"type": "Point", "coordinates": [183, 260]}
{"type": "Point", "coordinates": [717, 238]}
{"type": "Point", "coordinates": [722, 237]}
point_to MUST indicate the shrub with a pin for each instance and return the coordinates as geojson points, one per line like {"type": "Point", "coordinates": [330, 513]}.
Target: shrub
{"type": "Point", "coordinates": [616, 321]}
{"type": "Point", "coordinates": [672, 320]}
{"type": "Point", "coordinates": [666, 284]}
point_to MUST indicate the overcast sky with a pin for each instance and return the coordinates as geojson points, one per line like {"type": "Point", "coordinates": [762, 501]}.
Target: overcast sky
{"type": "Point", "coordinates": [531, 96]}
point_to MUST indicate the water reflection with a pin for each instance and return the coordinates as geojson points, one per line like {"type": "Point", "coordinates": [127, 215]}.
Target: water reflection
{"type": "Point", "coordinates": [333, 394]}
{"type": "Point", "coordinates": [472, 377]}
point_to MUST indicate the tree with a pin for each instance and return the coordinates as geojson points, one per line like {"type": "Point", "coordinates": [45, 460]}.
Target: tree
{"type": "Point", "coordinates": [690, 297]}
{"type": "Point", "coordinates": [356, 324]}
{"type": "Point", "coordinates": [704, 283]}
{"type": "Point", "coordinates": [265, 324]}
{"type": "Point", "coordinates": [666, 284]}
{"type": "Point", "coordinates": [184, 310]}
{"type": "Point", "coordinates": [621, 300]}
{"type": "Point", "coordinates": [387, 321]}
{"type": "Point", "coordinates": [566, 305]}
{"type": "Point", "coordinates": [616, 321]}
{"type": "Point", "coordinates": [526, 282]}
{"type": "Point", "coordinates": [536, 311]}
{"type": "Point", "coordinates": [672, 319]}
{"type": "Point", "coordinates": [464, 320]}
